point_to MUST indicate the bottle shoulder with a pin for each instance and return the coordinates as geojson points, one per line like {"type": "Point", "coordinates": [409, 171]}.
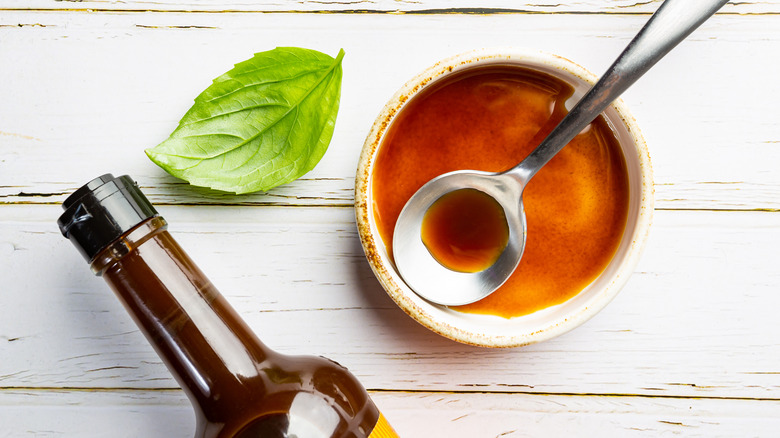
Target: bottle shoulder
{"type": "Point", "coordinates": [305, 397]}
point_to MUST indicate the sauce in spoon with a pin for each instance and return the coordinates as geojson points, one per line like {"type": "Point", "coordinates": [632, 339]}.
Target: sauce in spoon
{"type": "Point", "coordinates": [465, 230]}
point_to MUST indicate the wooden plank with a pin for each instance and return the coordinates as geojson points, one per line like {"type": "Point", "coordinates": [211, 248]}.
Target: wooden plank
{"type": "Point", "coordinates": [698, 317]}
{"type": "Point", "coordinates": [379, 6]}
{"type": "Point", "coordinates": [523, 415]}
{"type": "Point", "coordinates": [69, 112]}
{"type": "Point", "coordinates": [121, 414]}
{"type": "Point", "coordinates": [168, 414]}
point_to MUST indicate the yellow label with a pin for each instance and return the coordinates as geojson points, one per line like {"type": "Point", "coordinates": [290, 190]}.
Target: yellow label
{"type": "Point", "coordinates": [383, 429]}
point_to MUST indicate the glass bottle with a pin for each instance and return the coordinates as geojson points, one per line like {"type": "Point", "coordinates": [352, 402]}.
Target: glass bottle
{"type": "Point", "coordinates": [239, 388]}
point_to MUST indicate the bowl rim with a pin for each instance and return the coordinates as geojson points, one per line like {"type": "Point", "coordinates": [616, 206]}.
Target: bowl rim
{"type": "Point", "coordinates": [382, 267]}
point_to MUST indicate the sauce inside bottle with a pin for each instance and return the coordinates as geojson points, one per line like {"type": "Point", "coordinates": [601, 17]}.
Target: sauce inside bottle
{"type": "Point", "coordinates": [490, 119]}
{"type": "Point", "coordinates": [238, 386]}
{"type": "Point", "coordinates": [465, 230]}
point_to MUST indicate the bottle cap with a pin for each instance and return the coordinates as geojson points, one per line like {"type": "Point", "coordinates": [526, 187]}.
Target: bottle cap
{"type": "Point", "coordinates": [101, 211]}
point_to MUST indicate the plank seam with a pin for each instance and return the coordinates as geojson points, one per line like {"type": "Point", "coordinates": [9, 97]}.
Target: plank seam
{"type": "Point", "coordinates": [403, 391]}
{"type": "Point", "coordinates": [338, 205]}
{"type": "Point", "coordinates": [440, 11]}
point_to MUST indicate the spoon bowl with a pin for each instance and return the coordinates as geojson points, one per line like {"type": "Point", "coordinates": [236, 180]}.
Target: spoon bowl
{"type": "Point", "coordinates": [430, 277]}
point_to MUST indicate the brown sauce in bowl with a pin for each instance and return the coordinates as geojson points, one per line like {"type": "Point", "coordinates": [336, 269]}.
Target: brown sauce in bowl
{"type": "Point", "coordinates": [489, 119]}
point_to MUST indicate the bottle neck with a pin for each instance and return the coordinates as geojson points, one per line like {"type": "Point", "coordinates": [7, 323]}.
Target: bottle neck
{"type": "Point", "coordinates": [202, 340]}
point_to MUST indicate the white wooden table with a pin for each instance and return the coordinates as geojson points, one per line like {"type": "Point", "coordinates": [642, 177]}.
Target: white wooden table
{"type": "Point", "coordinates": [690, 347]}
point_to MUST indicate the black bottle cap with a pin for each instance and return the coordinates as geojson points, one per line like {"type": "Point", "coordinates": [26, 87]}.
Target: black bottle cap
{"type": "Point", "coordinates": [101, 211]}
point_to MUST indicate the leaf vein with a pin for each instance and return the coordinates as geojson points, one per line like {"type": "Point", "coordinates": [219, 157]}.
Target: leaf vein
{"type": "Point", "coordinates": [259, 84]}
{"type": "Point", "coordinates": [227, 113]}
{"type": "Point", "coordinates": [283, 116]}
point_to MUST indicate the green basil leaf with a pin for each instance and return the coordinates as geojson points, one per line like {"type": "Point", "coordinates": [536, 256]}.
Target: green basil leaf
{"type": "Point", "coordinates": [266, 122]}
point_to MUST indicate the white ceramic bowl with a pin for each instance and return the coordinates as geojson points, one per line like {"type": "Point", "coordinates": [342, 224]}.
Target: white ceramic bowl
{"type": "Point", "coordinates": [495, 331]}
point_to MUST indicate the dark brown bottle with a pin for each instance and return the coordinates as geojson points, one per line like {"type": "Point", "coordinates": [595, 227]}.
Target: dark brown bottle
{"type": "Point", "coordinates": [239, 387]}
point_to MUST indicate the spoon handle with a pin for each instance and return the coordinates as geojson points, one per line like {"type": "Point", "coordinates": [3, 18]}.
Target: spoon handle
{"type": "Point", "coordinates": [672, 22]}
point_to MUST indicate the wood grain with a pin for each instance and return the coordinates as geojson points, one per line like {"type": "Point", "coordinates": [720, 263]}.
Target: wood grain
{"type": "Point", "coordinates": [696, 319]}
{"type": "Point", "coordinates": [130, 414]}
{"type": "Point", "coordinates": [690, 346]}
{"type": "Point", "coordinates": [711, 134]}
{"type": "Point", "coordinates": [380, 6]}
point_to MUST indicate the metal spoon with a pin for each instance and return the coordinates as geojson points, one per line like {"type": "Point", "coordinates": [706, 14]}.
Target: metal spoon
{"type": "Point", "coordinates": [672, 22]}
